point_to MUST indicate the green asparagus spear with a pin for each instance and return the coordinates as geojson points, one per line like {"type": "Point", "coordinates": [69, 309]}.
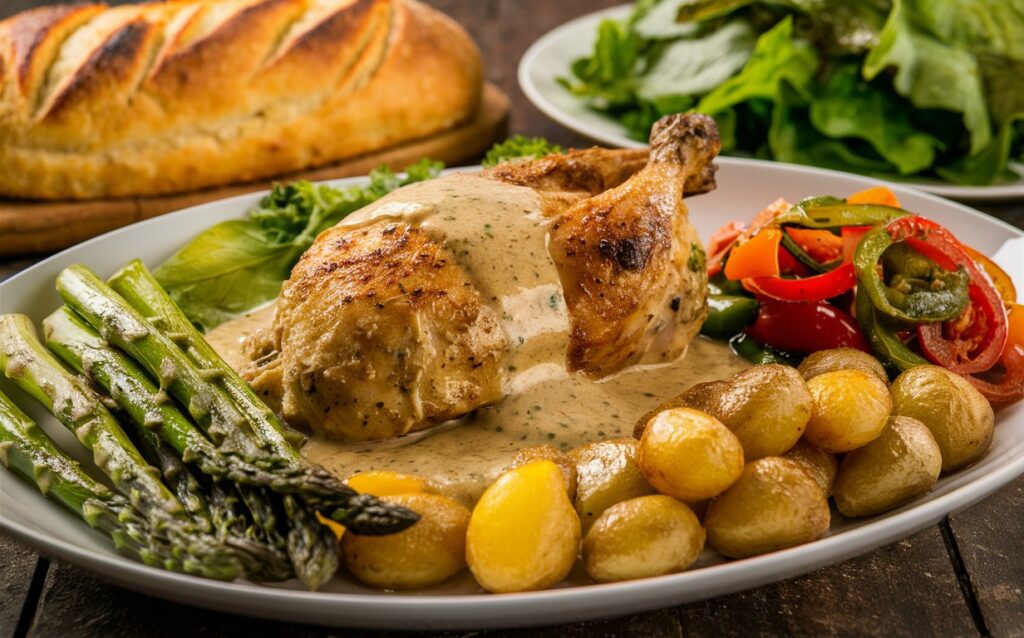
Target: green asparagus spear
{"type": "Point", "coordinates": [120, 325]}
{"type": "Point", "coordinates": [154, 417]}
{"type": "Point", "coordinates": [26, 362]}
{"type": "Point", "coordinates": [27, 451]}
{"type": "Point", "coordinates": [141, 290]}
{"type": "Point", "coordinates": [85, 351]}
{"type": "Point", "coordinates": [126, 327]}
{"type": "Point", "coordinates": [175, 475]}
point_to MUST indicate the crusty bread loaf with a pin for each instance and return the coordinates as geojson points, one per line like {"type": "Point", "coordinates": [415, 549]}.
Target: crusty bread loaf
{"type": "Point", "coordinates": [100, 101]}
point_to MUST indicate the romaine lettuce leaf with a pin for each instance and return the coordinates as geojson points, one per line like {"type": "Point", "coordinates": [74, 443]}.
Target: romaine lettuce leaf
{"type": "Point", "coordinates": [694, 66]}
{"type": "Point", "coordinates": [849, 107]}
{"type": "Point", "coordinates": [988, 165]}
{"type": "Point", "coordinates": [792, 138]}
{"type": "Point", "coordinates": [777, 56]}
{"type": "Point", "coordinates": [931, 74]}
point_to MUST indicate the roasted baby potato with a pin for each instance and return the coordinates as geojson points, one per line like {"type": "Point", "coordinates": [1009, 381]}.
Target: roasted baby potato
{"type": "Point", "coordinates": [607, 473]}
{"type": "Point", "coordinates": [431, 551]}
{"type": "Point", "coordinates": [850, 410]}
{"type": "Point", "coordinates": [822, 466]}
{"type": "Point", "coordinates": [689, 455]}
{"type": "Point", "coordinates": [841, 359]}
{"type": "Point", "coordinates": [775, 504]}
{"type": "Point", "coordinates": [642, 537]}
{"type": "Point", "coordinates": [959, 417]}
{"type": "Point", "coordinates": [766, 407]}
{"type": "Point", "coordinates": [703, 397]}
{"type": "Point", "coordinates": [900, 465]}
{"type": "Point", "coordinates": [524, 533]}
{"type": "Point", "coordinates": [553, 454]}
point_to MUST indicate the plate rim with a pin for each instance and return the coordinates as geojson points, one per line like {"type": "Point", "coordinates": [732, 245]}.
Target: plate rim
{"type": "Point", "coordinates": [446, 611]}
{"type": "Point", "coordinates": [1006, 192]}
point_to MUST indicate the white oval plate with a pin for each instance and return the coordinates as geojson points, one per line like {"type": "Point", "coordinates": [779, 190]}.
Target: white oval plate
{"type": "Point", "coordinates": [744, 187]}
{"type": "Point", "coordinates": [549, 58]}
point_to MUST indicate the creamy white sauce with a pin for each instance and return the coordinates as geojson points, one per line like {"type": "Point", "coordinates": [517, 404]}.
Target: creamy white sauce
{"type": "Point", "coordinates": [499, 236]}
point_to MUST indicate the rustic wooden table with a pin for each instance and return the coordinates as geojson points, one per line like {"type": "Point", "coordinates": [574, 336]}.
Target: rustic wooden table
{"type": "Point", "coordinates": [962, 577]}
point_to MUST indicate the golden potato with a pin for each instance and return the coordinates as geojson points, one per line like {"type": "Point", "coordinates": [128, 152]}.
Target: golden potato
{"type": "Point", "coordinates": [703, 397]}
{"type": "Point", "coordinates": [959, 417]}
{"type": "Point", "coordinates": [431, 551]}
{"type": "Point", "coordinates": [822, 466]}
{"type": "Point", "coordinates": [642, 537]}
{"type": "Point", "coordinates": [766, 407]}
{"type": "Point", "coordinates": [553, 454]}
{"type": "Point", "coordinates": [824, 361]}
{"type": "Point", "coordinates": [386, 483]}
{"type": "Point", "coordinates": [900, 465]}
{"type": "Point", "coordinates": [850, 410]}
{"type": "Point", "coordinates": [775, 504]}
{"type": "Point", "coordinates": [689, 455]}
{"type": "Point", "coordinates": [524, 533]}
{"type": "Point", "coordinates": [607, 473]}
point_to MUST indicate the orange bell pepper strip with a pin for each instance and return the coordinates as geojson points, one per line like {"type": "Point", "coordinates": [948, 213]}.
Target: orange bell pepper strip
{"type": "Point", "coordinates": [1002, 281]}
{"type": "Point", "coordinates": [875, 195]}
{"type": "Point", "coordinates": [757, 257]}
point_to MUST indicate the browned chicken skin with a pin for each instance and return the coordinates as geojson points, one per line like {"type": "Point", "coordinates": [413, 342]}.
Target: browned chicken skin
{"type": "Point", "coordinates": [410, 313]}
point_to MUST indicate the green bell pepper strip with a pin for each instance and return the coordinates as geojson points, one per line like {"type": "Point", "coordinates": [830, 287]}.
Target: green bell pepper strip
{"type": "Point", "coordinates": [745, 346]}
{"type": "Point", "coordinates": [728, 315]}
{"type": "Point", "coordinates": [883, 340]}
{"type": "Point", "coordinates": [840, 215]}
{"type": "Point", "coordinates": [801, 255]}
{"type": "Point", "coordinates": [720, 285]}
{"type": "Point", "coordinates": [920, 291]}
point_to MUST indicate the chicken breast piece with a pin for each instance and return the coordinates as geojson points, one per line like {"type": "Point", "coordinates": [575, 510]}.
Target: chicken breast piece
{"type": "Point", "coordinates": [419, 308]}
{"type": "Point", "coordinates": [379, 332]}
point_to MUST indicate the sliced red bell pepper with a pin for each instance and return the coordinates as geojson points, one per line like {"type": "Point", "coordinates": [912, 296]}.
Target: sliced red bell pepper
{"type": "Point", "coordinates": [1004, 285]}
{"type": "Point", "coordinates": [973, 342]}
{"type": "Point", "coordinates": [806, 327]}
{"type": "Point", "coordinates": [1009, 388]}
{"type": "Point", "coordinates": [851, 236]}
{"type": "Point", "coordinates": [816, 288]}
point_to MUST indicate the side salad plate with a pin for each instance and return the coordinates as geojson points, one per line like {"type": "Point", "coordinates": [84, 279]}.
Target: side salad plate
{"type": "Point", "coordinates": [547, 65]}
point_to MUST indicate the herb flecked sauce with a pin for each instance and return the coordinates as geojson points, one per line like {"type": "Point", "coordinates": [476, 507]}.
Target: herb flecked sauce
{"type": "Point", "coordinates": [499, 236]}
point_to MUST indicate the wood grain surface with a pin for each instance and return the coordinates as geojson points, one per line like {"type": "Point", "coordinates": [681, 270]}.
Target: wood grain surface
{"type": "Point", "coordinates": [963, 577]}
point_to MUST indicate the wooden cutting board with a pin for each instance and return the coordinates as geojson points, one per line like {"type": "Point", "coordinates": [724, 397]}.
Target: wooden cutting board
{"type": "Point", "coordinates": [28, 227]}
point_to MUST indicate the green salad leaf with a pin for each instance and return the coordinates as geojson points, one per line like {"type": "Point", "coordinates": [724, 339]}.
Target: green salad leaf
{"type": "Point", "coordinates": [776, 56]}
{"type": "Point", "coordinates": [520, 147]}
{"type": "Point", "coordinates": [235, 266]}
{"type": "Point", "coordinates": [689, 67]}
{"type": "Point", "coordinates": [931, 74]}
{"type": "Point", "coordinates": [850, 107]}
{"type": "Point", "coordinates": [891, 88]}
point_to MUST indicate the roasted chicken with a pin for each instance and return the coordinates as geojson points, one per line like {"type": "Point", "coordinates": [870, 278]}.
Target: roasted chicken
{"type": "Point", "coordinates": [421, 307]}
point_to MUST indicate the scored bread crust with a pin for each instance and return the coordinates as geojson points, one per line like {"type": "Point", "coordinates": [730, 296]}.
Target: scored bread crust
{"type": "Point", "coordinates": [100, 101]}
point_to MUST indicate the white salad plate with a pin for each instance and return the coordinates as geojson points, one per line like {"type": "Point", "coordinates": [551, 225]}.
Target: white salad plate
{"type": "Point", "coordinates": [744, 187]}
{"type": "Point", "coordinates": [550, 57]}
